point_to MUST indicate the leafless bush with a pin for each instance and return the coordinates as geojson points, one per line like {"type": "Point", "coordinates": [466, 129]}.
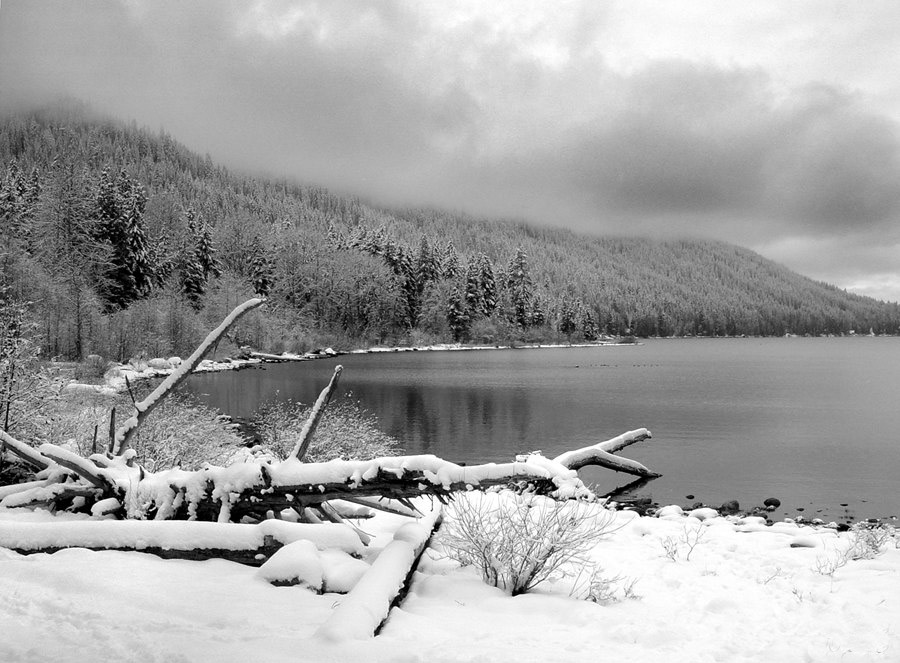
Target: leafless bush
{"type": "Point", "coordinates": [865, 541]}
{"type": "Point", "coordinates": [690, 538]}
{"type": "Point", "coordinates": [520, 541]}
{"type": "Point", "coordinates": [179, 433]}
{"type": "Point", "coordinates": [346, 431]}
{"type": "Point", "coordinates": [868, 540]}
{"type": "Point", "coordinates": [604, 589]}
{"type": "Point", "coordinates": [183, 433]}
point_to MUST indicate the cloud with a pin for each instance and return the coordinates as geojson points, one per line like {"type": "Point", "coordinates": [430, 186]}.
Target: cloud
{"type": "Point", "coordinates": [625, 119]}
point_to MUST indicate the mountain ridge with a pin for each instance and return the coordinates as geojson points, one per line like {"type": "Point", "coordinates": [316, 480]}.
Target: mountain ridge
{"type": "Point", "coordinates": [336, 267]}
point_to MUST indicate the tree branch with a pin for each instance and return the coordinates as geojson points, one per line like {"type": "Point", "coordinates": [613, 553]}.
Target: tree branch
{"type": "Point", "coordinates": [124, 434]}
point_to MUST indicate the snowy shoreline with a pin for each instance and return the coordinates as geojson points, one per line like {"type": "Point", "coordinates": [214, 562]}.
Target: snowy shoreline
{"type": "Point", "coordinates": [742, 592]}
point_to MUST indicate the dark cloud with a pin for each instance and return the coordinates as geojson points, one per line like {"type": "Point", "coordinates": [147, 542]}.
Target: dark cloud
{"type": "Point", "coordinates": [468, 107]}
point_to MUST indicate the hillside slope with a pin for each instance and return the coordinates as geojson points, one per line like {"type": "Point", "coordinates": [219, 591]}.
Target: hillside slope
{"type": "Point", "coordinates": [76, 188]}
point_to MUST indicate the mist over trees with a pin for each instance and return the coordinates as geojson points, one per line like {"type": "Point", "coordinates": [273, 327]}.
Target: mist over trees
{"type": "Point", "coordinates": [118, 240]}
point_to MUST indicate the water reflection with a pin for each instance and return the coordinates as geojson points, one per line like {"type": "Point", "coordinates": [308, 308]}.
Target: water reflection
{"type": "Point", "coordinates": [804, 420]}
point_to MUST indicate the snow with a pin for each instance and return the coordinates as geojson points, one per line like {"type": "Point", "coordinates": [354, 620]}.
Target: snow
{"type": "Point", "coordinates": [298, 562]}
{"type": "Point", "coordinates": [170, 534]}
{"type": "Point", "coordinates": [745, 595]}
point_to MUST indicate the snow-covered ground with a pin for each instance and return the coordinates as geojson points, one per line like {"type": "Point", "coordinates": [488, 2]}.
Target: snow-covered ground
{"type": "Point", "coordinates": [745, 594]}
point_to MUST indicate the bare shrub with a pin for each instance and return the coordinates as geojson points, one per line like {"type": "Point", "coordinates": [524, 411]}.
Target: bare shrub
{"type": "Point", "coordinates": [868, 540]}
{"type": "Point", "coordinates": [346, 430]}
{"type": "Point", "coordinates": [690, 538]}
{"type": "Point", "coordinates": [180, 433]}
{"type": "Point", "coordinates": [865, 541]}
{"type": "Point", "coordinates": [520, 541]}
{"type": "Point", "coordinates": [184, 433]}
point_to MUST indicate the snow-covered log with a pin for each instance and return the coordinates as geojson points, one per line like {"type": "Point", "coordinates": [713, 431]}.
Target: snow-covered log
{"type": "Point", "coordinates": [247, 544]}
{"type": "Point", "coordinates": [315, 415]}
{"type": "Point", "coordinates": [255, 489]}
{"type": "Point", "coordinates": [602, 454]}
{"type": "Point", "coordinates": [25, 452]}
{"type": "Point", "coordinates": [362, 612]}
{"type": "Point", "coordinates": [124, 434]}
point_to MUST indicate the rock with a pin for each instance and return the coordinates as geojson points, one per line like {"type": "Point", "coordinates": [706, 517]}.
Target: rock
{"type": "Point", "coordinates": [160, 364]}
{"type": "Point", "coordinates": [138, 365]}
{"type": "Point", "coordinates": [96, 359]}
{"type": "Point", "coordinates": [772, 503]}
{"type": "Point", "coordinates": [730, 508]}
{"type": "Point", "coordinates": [671, 510]}
{"type": "Point", "coordinates": [704, 514]}
{"type": "Point", "coordinates": [175, 361]}
{"type": "Point", "coordinates": [688, 497]}
{"type": "Point", "coordinates": [81, 389]}
{"type": "Point", "coordinates": [805, 542]}
{"type": "Point", "coordinates": [112, 373]}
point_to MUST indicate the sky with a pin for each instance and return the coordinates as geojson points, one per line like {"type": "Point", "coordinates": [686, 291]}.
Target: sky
{"type": "Point", "coordinates": [773, 125]}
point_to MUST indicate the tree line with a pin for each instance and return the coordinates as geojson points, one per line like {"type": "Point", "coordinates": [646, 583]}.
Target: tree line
{"type": "Point", "coordinates": [118, 240]}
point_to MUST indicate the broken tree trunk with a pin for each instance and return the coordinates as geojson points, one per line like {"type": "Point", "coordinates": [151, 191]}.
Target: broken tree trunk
{"type": "Point", "coordinates": [315, 415]}
{"type": "Point", "coordinates": [602, 454]}
{"type": "Point", "coordinates": [124, 434]}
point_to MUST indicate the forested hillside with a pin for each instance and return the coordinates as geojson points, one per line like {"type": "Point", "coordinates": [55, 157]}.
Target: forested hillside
{"type": "Point", "coordinates": [117, 240]}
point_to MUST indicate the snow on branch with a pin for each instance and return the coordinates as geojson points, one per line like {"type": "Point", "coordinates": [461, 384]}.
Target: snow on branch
{"type": "Point", "coordinates": [28, 454]}
{"type": "Point", "coordinates": [124, 434]}
{"type": "Point", "coordinates": [602, 454]}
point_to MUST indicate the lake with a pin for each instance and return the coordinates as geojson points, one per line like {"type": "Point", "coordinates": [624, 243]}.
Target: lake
{"type": "Point", "coordinates": [814, 422]}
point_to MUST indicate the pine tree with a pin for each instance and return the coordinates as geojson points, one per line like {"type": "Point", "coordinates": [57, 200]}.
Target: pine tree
{"type": "Point", "coordinates": [474, 297]}
{"type": "Point", "coordinates": [519, 284]}
{"type": "Point", "coordinates": [488, 285]}
{"type": "Point", "coordinates": [262, 271]}
{"type": "Point", "coordinates": [120, 204]}
{"type": "Point", "coordinates": [457, 316]}
{"type": "Point", "coordinates": [450, 262]}
{"type": "Point", "coordinates": [199, 262]}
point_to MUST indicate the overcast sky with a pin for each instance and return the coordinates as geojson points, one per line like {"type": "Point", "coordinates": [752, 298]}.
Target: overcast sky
{"type": "Point", "coordinates": [769, 124]}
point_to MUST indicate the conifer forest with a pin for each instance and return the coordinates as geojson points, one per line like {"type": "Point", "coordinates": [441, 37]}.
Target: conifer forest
{"type": "Point", "coordinates": [118, 240]}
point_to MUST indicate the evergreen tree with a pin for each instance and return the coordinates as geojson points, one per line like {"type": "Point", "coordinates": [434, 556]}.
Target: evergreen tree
{"type": "Point", "coordinates": [450, 262]}
{"type": "Point", "coordinates": [262, 270]}
{"type": "Point", "coordinates": [474, 297]}
{"type": "Point", "coordinates": [457, 316]}
{"type": "Point", "coordinates": [519, 284]}
{"type": "Point", "coordinates": [570, 315]}
{"type": "Point", "coordinates": [488, 285]}
{"type": "Point", "coordinates": [120, 204]}
{"type": "Point", "coordinates": [199, 263]}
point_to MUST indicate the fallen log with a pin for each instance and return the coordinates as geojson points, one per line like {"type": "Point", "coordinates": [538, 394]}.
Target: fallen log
{"type": "Point", "coordinates": [365, 608]}
{"type": "Point", "coordinates": [255, 490]}
{"type": "Point", "coordinates": [602, 454]}
{"type": "Point", "coordinates": [246, 544]}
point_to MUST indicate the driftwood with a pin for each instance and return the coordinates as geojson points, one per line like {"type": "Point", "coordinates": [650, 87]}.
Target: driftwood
{"type": "Point", "coordinates": [254, 491]}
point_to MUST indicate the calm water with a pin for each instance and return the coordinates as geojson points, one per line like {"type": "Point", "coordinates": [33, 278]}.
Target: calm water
{"type": "Point", "coordinates": [814, 422]}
